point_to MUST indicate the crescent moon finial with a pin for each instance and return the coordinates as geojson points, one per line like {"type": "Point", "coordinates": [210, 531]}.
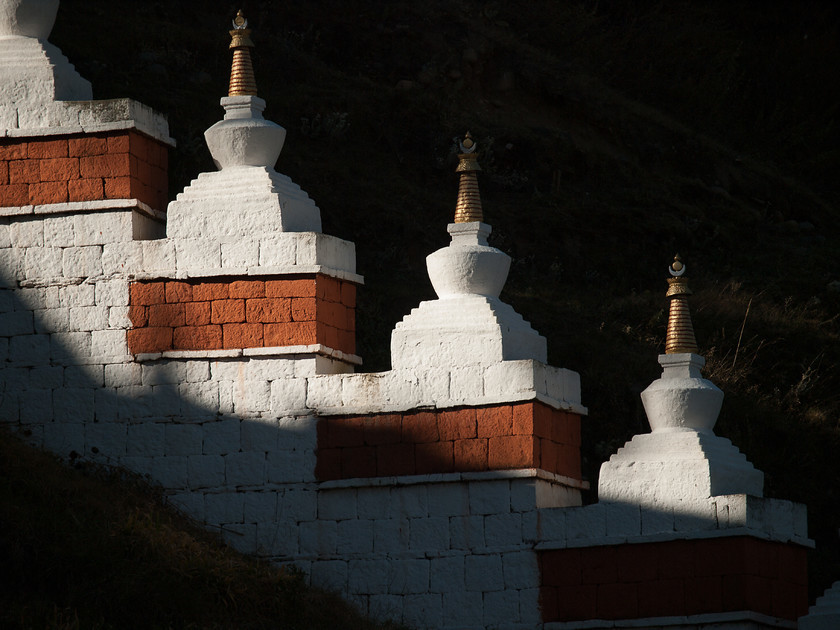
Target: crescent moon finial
{"type": "Point", "coordinates": [239, 22]}
{"type": "Point", "coordinates": [677, 268]}
{"type": "Point", "coordinates": [467, 145]}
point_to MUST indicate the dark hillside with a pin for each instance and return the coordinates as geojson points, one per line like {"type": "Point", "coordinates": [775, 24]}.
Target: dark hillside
{"type": "Point", "coordinates": [612, 135]}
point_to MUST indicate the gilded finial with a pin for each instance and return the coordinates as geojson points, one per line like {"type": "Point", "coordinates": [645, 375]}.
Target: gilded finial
{"type": "Point", "coordinates": [679, 336]}
{"type": "Point", "coordinates": [468, 207]}
{"type": "Point", "coordinates": [242, 81]}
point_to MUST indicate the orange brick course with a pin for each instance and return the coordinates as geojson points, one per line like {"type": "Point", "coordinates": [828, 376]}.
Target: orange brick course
{"type": "Point", "coordinates": [121, 164]}
{"type": "Point", "coordinates": [498, 437]}
{"type": "Point", "coordinates": [253, 313]}
{"type": "Point", "coordinates": [674, 578]}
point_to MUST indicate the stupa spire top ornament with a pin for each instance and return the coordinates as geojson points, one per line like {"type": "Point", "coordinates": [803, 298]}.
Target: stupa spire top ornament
{"type": "Point", "coordinates": [242, 81]}
{"type": "Point", "coordinates": [679, 336]}
{"type": "Point", "coordinates": [468, 208]}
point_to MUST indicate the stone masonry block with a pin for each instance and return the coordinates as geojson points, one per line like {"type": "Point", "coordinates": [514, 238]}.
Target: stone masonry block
{"type": "Point", "coordinates": [27, 233]}
{"type": "Point", "coordinates": [105, 405]}
{"type": "Point", "coordinates": [355, 536]}
{"type": "Point", "coordinates": [466, 532]}
{"type": "Point", "coordinates": [146, 439]}
{"type": "Point", "coordinates": [197, 372]}
{"type": "Point", "coordinates": [298, 505]}
{"type": "Point", "coordinates": [64, 438]}
{"type": "Point", "coordinates": [318, 538]}
{"type": "Point", "coordinates": [502, 608]}
{"type": "Point", "coordinates": [205, 471]}
{"type": "Point", "coordinates": [503, 530]}
{"type": "Point", "coordinates": [82, 262]}
{"type": "Point", "coordinates": [463, 609]}
{"type": "Point", "coordinates": [240, 254]}
{"type": "Point", "coordinates": [425, 608]}
{"type": "Point", "coordinates": [43, 262]}
{"type": "Point", "coordinates": [510, 378]}
{"type": "Point", "coordinates": [259, 434]}
{"type": "Point", "coordinates": [288, 394]}
{"type": "Point", "coordinates": [68, 347]}
{"type": "Point", "coordinates": [447, 574]}
{"type": "Point", "coordinates": [279, 251]}
{"type": "Point", "coordinates": [373, 502]}
{"type": "Point", "coordinates": [245, 469]}
{"type": "Point", "coordinates": [108, 343]}
{"type": "Point", "coordinates": [165, 372]}
{"type": "Point", "coordinates": [158, 255]}
{"type": "Point", "coordinates": [409, 576]}
{"type": "Point", "coordinates": [586, 522]}
{"type": "Point", "coordinates": [190, 503]}
{"type": "Point", "coordinates": [108, 438]}
{"type": "Point", "coordinates": [368, 575]}
{"type": "Point", "coordinates": [29, 349]}
{"type": "Point", "coordinates": [489, 497]}
{"type": "Point", "coordinates": [17, 323]}
{"type": "Point", "coordinates": [183, 439]}
{"type": "Point", "coordinates": [551, 524]}
{"type": "Point", "coordinates": [171, 472]}
{"type": "Point", "coordinates": [99, 228]}
{"type": "Point", "coordinates": [36, 407]}
{"type": "Point", "coordinates": [200, 400]}
{"type": "Point", "coordinates": [329, 574]}
{"type": "Point", "coordinates": [466, 383]}
{"type": "Point", "coordinates": [123, 257]}
{"type": "Point", "coordinates": [224, 507]}
{"type": "Point", "coordinates": [87, 318]}
{"type": "Point", "coordinates": [260, 506]}
{"type": "Point", "coordinates": [429, 534]}
{"type": "Point", "coordinates": [52, 320]}
{"type": "Point", "coordinates": [450, 499]}
{"type": "Point", "coordinates": [221, 437]}
{"type": "Point", "coordinates": [521, 570]}
{"type": "Point", "coordinates": [84, 376]}
{"type": "Point", "coordinates": [59, 232]}
{"type": "Point", "coordinates": [111, 293]}
{"type": "Point", "coordinates": [410, 502]}
{"type": "Point", "coordinates": [390, 535]}
{"type": "Point", "coordinates": [77, 295]}
{"type": "Point", "coordinates": [623, 519]}
{"type": "Point", "coordinates": [337, 504]}
{"type": "Point", "coordinates": [197, 254]}
{"type": "Point", "coordinates": [73, 404]}
{"type": "Point", "coordinates": [123, 374]}
{"type": "Point", "coordinates": [484, 573]}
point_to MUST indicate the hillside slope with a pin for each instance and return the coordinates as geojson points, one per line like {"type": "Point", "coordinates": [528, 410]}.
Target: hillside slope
{"type": "Point", "coordinates": [612, 136]}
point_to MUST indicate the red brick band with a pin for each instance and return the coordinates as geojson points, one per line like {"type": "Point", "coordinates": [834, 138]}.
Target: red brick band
{"type": "Point", "coordinates": [466, 439]}
{"type": "Point", "coordinates": [254, 313]}
{"type": "Point", "coordinates": [123, 164]}
{"type": "Point", "coordinates": [674, 578]}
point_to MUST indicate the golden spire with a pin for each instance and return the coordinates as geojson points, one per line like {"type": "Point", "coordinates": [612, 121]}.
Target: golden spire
{"type": "Point", "coordinates": [468, 207]}
{"type": "Point", "coordinates": [242, 82]}
{"type": "Point", "coordinates": [679, 336]}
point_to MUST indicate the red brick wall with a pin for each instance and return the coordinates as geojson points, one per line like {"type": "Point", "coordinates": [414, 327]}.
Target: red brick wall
{"type": "Point", "coordinates": [253, 313]}
{"type": "Point", "coordinates": [466, 439]}
{"type": "Point", "coordinates": [681, 577]}
{"type": "Point", "coordinates": [121, 164]}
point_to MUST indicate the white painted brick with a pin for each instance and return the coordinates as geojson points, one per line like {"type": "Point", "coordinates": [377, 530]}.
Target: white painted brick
{"type": "Point", "coordinates": [43, 262]}
{"type": "Point", "coordinates": [109, 438]}
{"type": "Point", "coordinates": [146, 439]}
{"type": "Point", "coordinates": [323, 391]}
{"type": "Point", "coordinates": [36, 407]}
{"type": "Point", "coordinates": [318, 538]}
{"type": "Point", "coordinates": [484, 573]}
{"type": "Point", "coordinates": [299, 505]}
{"type": "Point", "coordinates": [105, 405]}
{"type": "Point", "coordinates": [17, 379]}
{"type": "Point", "coordinates": [27, 233]}
{"type": "Point", "coordinates": [277, 252]}
{"type": "Point", "coordinates": [123, 258]}
{"type": "Point", "coordinates": [77, 295]}
{"type": "Point", "coordinates": [429, 534]}
{"type": "Point", "coordinates": [551, 524]}
{"type": "Point", "coordinates": [111, 293]}
{"type": "Point", "coordinates": [52, 320]}
{"type": "Point", "coordinates": [409, 576]}
{"type": "Point", "coordinates": [466, 532]}
{"type": "Point", "coordinates": [291, 466]}
{"type": "Point", "coordinates": [164, 372]}
{"type": "Point", "coordinates": [94, 228]}
{"type": "Point", "coordinates": [466, 383]}
{"type": "Point", "coordinates": [463, 609]}
{"type": "Point", "coordinates": [426, 609]}
{"type": "Point", "coordinates": [221, 437]}
{"type": "Point", "coordinates": [695, 516]}
{"type": "Point", "coordinates": [199, 399]}
{"type": "Point", "coordinates": [385, 606]}
{"type": "Point", "coordinates": [205, 471]}
{"type": "Point", "coordinates": [84, 376]}
{"type": "Point", "coordinates": [245, 469]}
{"type": "Point", "coordinates": [227, 370]}
{"type": "Point", "coordinates": [329, 574]}
{"type": "Point", "coordinates": [623, 519]}
{"type": "Point", "coordinates": [390, 535]}
{"type": "Point", "coordinates": [259, 434]}
{"type": "Point", "coordinates": [287, 394]}
{"type": "Point", "coordinates": [297, 432]}
{"type": "Point", "coordinates": [137, 402]}
{"type": "Point", "coordinates": [489, 497]}
{"type": "Point", "coordinates": [503, 530]}
{"type": "Point", "coordinates": [225, 507]}
{"type": "Point", "coordinates": [51, 299]}
{"type": "Point", "coordinates": [7, 300]}
{"type": "Point", "coordinates": [368, 575]}
{"type": "Point", "coordinates": [240, 254]}
{"type": "Point", "coordinates": [82, 262]}
{"type": "Point", "coordinates": [521, 570]}
{"type": "Point", "coordinates": [510, 378]}
{"type": "Point", "coordinates": [29, 349]}
{"type": "Point", "coordinates": [781, 518]}
{"type": "Point", "coordinates": [17, 323]}
{"type": "Point", "coordinates": [30, 298]}
{"type": "Point", "coordinates": [12, 264]}
{"type": "Point", "coordinates": [85, 318]}
{"type": "Point", "coordinates": [410, 502]}
{"type": "Point", "coordinates": [501, 609]}
{"type": "Point", "coordinates": [183, 439]}
{"type": "Point", "coordinates": [64, 438]}
{"type": "Point", "coordinates": [241, 536]}
{"type": "Point", "coordinates": [123, 374]}
{"type": "Point", "coordinates": [355, 536]}
{"type": "Point", "coordinates": [192, 254]}
{"type": "Point", "coordinates": [5, 233]}
{"type": "Point", "coordinates": [197, 372]}
{"type": "Point", "coordinates": [586, 522]}
{"type": "Point", "coordinates": [447, 574]}
{"type": "Point", "coordinates": [373, 502]}
{"type": "Point", "coordinates": [158, 255]}
{"type": "Point", "coordinates": [118, 317]}
{"type": "Point", "coordinates": [58, 232]}
{"type": "Point", "coordinates": [190, 503]}
{"type": "Point", "coordinates": [260, 506]}
{"type": "Point", "coordinates": [108, 343]}
{"type": "Point", "coordinates": [171, 472]}
{"type": "Point", "coordinates": [69, 347]}
{"type": "Point", "coordinates": [226, 398]}
{"type": "Point", "coordinates": [74, 404]}
{"type": "Point", "coordinates": [530, 612]}
{"type": "Point", "coordinates": [337, 504]}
